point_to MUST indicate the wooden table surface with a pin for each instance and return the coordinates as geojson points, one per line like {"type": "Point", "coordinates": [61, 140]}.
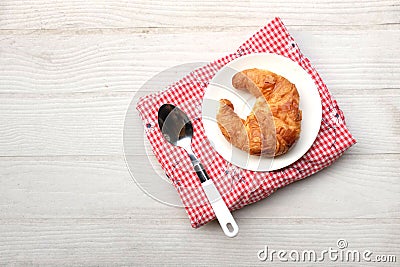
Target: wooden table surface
{"type": "Point", "coordinates": [68, 72]}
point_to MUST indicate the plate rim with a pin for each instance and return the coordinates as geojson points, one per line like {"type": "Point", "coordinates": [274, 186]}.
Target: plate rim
{"type": "Point", "coordinates": [288, 61]}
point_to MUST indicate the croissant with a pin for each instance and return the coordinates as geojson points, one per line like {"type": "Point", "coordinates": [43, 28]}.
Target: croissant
{"type": "Point", "coordinates": [274, 123]}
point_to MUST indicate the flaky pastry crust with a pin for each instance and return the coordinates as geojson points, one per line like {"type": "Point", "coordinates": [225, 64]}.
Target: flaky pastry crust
{"type": "Point", "coordinates": [274, 123]}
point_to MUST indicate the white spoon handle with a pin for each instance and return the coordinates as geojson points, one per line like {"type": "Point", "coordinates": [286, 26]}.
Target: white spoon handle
{"type": "Point", "coordinates": [224, 216]}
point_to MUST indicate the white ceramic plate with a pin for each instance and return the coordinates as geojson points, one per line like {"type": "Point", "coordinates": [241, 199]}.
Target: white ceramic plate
{"type": "Point", "coordinates": [221, 87]}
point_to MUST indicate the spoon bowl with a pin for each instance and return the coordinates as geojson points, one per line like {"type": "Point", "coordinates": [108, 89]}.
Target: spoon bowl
{"type": "Point", "coordinates": [175, 125]}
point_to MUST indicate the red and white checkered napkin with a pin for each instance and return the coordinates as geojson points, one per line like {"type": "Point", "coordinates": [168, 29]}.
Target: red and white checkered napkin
{"type": "Point", "coordinates": [239, 187]}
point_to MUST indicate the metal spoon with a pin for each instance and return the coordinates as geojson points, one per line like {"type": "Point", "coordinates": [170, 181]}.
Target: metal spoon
{"type": "Point", "coordinates": [177, 129]}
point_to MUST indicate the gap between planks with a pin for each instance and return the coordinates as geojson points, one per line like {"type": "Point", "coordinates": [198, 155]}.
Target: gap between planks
{"type": "Point", "coordinates": [177, 30]}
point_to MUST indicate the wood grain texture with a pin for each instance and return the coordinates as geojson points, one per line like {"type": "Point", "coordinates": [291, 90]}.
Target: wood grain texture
{"type": "Point", "coordinates": [127, 14]}
{"type": "Point", "coordinates": [356, 186]}
{"type": "Point", "coordinates": [171, 242]}
{"type": "Point", "coordinates": [57, 63]}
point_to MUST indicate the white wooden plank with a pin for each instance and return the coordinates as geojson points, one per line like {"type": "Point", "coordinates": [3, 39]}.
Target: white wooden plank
{"type": "Point", "coordinates": [50, 64]}
{"type": "Point", "coordinates": [43, 126]}
{"type": "Point", "coordinates": [127, 14]}
{"type": "Point", "coordinates": [92, 124]}
{"type": "Point", "coordinates": [170, 242]}
{"type": "Point", "coordinates": [356, 186]}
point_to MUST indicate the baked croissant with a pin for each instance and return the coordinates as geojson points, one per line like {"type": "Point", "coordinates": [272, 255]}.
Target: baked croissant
{"type": "Point", "coordinates": [274, 123]}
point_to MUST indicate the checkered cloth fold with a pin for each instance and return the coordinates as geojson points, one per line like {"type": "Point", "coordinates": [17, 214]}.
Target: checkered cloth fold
{"type": "Point", "coordinates": [239, 187]}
